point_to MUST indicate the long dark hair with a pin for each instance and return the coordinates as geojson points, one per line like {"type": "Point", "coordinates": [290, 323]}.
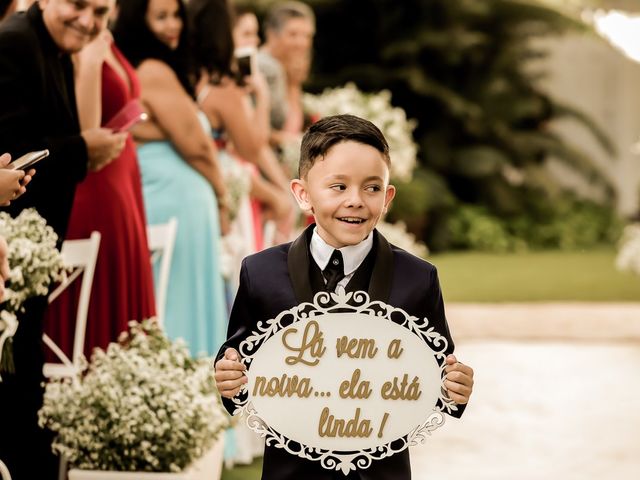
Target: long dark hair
{"type": "Point", "coordinates": [212, 37]}
{"type": "Point", "coordinates": [138, 43]}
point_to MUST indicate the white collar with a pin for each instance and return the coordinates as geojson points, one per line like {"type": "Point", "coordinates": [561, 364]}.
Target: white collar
{"type": "Point", "coordinates": [352, 255]}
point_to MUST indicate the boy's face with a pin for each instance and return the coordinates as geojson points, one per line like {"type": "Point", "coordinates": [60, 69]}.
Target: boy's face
{"type": "Point", "coordinates": [347, 192]}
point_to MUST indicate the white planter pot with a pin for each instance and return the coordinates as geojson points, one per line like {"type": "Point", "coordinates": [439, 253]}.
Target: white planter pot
{"type": "Point", "coordinates": [208, 467]}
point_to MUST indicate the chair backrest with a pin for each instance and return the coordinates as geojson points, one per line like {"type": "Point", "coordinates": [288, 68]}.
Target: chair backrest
{"type": "Point", "coordinates": [81, 256]}
{"type": "Point", "coordinates": [162, 238]}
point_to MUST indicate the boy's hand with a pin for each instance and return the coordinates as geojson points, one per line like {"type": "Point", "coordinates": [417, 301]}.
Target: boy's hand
{"type": "Point", "coordinates": [230, 374]}
{"type": "Point", "coordinates": [458, 381]}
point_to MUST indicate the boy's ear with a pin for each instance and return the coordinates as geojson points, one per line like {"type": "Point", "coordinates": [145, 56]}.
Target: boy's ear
{"type": "Point", "coordinates": [388, 196]}
{"type": "Point", "coordinates": [300, 193]}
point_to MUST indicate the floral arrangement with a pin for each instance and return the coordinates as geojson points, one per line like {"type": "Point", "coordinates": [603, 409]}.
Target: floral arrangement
{"type": "Point", "coordinates": [237, 178]}
{"type": "Point", "coordinates": [34, 262]}
{"type": "Point", "coordinates": [377, 108]}
{"type": "Point", "coordinates": [628, 258]}
{"type": "Point", "coordinates": [143, 405]}
{"type": "Point", "coordinates": [290, 155]}
{"type": "Point", "coordinates": [397, 234]}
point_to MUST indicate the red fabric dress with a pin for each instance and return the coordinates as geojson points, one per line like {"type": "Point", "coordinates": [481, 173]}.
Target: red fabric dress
{"type": "Point", "coordinates": [109, 201]}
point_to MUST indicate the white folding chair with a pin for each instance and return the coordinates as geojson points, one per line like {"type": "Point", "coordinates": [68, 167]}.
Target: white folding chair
{"type": "Point", "coordinates": [4, 471]}
{"type": "Point", "coordinates": [162, 238]}
{"type": "Point", "coordinates": [81, 256]}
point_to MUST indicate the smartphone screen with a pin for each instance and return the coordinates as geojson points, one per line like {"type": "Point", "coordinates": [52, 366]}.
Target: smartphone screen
{"type": "Point", "coordinates": [245, 56]}
{"type": "Point", "coordinates": [27, 160]}
{"type": "Point", "coordinates": [244, 66]}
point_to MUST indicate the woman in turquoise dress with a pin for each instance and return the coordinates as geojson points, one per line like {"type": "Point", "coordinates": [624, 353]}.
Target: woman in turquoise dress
{"type": "Point", "coordinates": [181, 176]}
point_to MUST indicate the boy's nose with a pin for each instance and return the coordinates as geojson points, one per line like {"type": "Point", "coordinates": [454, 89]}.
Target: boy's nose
{"type": "Point", "coordinates": [354, 199]}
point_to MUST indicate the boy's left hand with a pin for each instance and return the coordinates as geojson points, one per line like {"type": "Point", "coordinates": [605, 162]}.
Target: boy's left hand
{"type": "Point", "coordinates": [458, 381]}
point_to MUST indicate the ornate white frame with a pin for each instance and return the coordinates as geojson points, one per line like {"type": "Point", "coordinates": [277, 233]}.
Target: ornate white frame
{"type": "Point", "coordinates": [351, 302]}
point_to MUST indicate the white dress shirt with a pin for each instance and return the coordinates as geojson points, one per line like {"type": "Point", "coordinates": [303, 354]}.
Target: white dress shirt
{"type": "Point", "coordinates": [352, 255]}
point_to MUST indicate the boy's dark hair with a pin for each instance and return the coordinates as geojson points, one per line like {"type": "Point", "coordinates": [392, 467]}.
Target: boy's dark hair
{"type": "Point", "coordinates": [281, 13]}
{"type": "Point", "coordinates": [330, 131]}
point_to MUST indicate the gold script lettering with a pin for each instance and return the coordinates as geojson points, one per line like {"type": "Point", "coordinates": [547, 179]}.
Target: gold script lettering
{"type": "Point", "coordinates": [394, 350]}
{"type": "Point", "coordinates": [283, 386]}
{"type": "Point", "coordinates": [393, 390]}
{"type": "Point", "coordinates": [354, 388]}
{"type": "Point", "coordinates": [329, 426]}
{"type": "Point", "coordinates": [312, 341]}
{"type": "Point", "coordinates": [382, 424]}
{"type": "Point", "coordinates": [356, 347]}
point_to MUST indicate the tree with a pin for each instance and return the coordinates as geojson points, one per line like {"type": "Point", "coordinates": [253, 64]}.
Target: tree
{"type": "Point", "coordinates": [465, 70]}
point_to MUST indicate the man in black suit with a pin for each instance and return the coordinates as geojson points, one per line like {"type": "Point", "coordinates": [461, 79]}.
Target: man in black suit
{"type": "Point", "coordinates": [343, 182]}
{"type": "Point", "coordinates": [37, 111]}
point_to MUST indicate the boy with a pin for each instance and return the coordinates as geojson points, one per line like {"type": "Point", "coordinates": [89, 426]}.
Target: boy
{"type": "Point", "coordinates": [344, 182]}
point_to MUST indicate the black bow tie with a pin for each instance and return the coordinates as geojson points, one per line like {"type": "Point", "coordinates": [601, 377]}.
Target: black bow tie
{"type": "Point", "coordinates": [334, 271]}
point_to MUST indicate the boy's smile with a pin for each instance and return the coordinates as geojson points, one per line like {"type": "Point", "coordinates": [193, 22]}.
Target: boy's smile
{"type": "Point", "coordinates": [347, 191]}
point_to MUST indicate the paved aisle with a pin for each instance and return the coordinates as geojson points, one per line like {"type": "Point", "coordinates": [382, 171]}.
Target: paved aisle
{"type": "Point", "coordinates": [542, 410]}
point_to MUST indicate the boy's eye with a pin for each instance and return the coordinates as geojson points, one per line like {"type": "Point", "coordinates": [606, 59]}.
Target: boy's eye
{"type": "Point", "coordinates": [338, 186]}
{"type": "Point", "coordinates": [373, 188]}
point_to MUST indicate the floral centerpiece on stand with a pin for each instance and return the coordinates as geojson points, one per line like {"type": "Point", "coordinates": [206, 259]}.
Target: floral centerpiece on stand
{"type": "Point", "coordinates": [377, 108]}
{"type": "Point", "coordinates": [397, 234]}
{"type": "Point", "coordinates": [142, 405]}
{"type": "Point", "coordinates": [34, 262]}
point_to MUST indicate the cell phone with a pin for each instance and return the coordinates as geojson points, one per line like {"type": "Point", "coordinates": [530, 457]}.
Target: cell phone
{"type": "Point", "coordinates": [27, 160]}
{"type": "Point", "coordinates": [127, 117]}
{"type": "Point", "coordinates": [245, 58]}
{"type": "Point", "coordinates": [244, 66]}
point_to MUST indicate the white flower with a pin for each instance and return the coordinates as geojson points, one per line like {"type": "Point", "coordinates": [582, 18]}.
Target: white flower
{"type": "Point", "coordinates": [375, 107]}
{"type": "Point", "coordinates": [237, 178]}
{"type": "Point", "coordinates": [290, 155]}
{"type": "Point", "coordinates": [143, 405]}
{"type": "Point", "coordinates": [396, 233]}
{"type": "Point", "coordinates": [34, 261]}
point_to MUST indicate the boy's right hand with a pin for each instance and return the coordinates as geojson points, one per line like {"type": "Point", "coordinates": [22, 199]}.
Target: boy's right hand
{"type": "Point", "coordinates": [230, 373]}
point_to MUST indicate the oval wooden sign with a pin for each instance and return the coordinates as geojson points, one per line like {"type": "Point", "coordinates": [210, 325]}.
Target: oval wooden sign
{"type": "Point", "coordinates": [344, 380]}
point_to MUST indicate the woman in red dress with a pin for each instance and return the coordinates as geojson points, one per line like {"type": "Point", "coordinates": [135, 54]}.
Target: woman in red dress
{"type": "Point", "coordinates": [109, 201]}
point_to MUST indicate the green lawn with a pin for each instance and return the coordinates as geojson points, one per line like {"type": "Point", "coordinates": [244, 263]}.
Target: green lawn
{"type": "Point", "coordinates": [535, 277]}
{"type": "Point", "coordinates": [244, 472]}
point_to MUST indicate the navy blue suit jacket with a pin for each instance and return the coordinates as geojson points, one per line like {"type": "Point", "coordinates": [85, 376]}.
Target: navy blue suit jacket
{"type": "Point", "coordinates": [277, 279]}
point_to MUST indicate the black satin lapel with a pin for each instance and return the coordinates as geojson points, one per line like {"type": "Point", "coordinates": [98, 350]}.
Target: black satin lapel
{"type": "Point", "coordinates": [381, 278]}
{"type": "Point", "coordinates": [298, 265]}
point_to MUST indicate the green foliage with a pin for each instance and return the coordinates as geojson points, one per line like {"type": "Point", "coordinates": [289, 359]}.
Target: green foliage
{"type": "Point", "coordinates": [565, 222]}
{"type": "Point", "coordinates": [472, 227]}
{"type": "Point", "coordinates": [568, 223]}
{"type": "Point", "coordinates": [464, 69]}
{"type": "Point", "coordinates": [425, 192]}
